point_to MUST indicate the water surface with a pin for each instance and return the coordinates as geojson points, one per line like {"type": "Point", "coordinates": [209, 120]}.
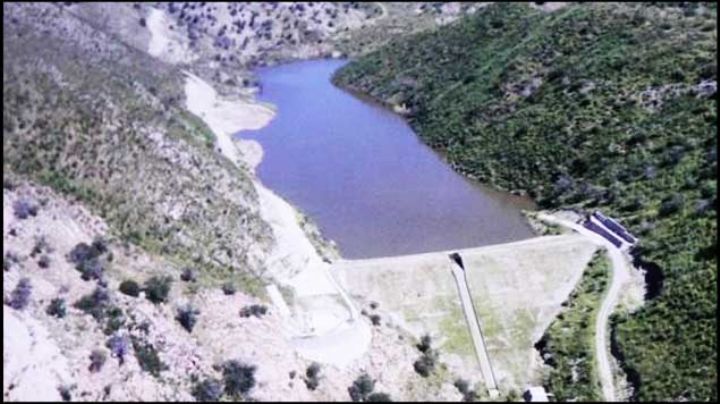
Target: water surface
{"type": "Point", "coordinates": [364, 176]}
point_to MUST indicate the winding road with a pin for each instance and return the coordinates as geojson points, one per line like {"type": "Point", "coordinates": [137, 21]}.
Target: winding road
{"type": "Point", "coordinates": [620, 274]}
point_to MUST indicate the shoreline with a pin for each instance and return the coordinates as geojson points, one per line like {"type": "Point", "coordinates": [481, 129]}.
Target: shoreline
{"type": "Point", "coordinates": [319, 325]}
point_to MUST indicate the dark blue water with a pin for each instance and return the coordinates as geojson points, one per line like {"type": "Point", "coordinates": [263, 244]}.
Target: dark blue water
{"type": "Point", "coordinates": [365, 178]}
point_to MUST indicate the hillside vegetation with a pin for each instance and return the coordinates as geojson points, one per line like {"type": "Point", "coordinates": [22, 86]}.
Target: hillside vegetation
{"type": "Point", "coordinates": [105, 123]}
{"type": "Point", "coordinates": [594, 106]}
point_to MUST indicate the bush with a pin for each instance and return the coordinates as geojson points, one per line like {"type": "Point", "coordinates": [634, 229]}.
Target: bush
{"type": "Point", "coordinates": [228, 288]}
{"type": "Point", "coordinates": [130, 288]}
{"type": "Point", "coordinates": [256, 310]}
{"type": "Point", "coordinates": [464, 387]}
{"type": "Point", "coordinates": [91, 269]}
{"type": "Point", "coordinates": [375, 319]}
{"type": "Point", "coordinates": [187, 316]}
{"type": "Point", "coordinates": [94, 303]}
{"type": "Point", "coordinates": [20, 296]}
{"type": "Point", "coordinates": [119, 346]}
{"type": "Point", "coordinates": [157, 289]}
{"type": "Point", "coordinates": [424, 365]}
{"type": "Point", "coordinates": [378, 397]}
{"type": "Point", "coordinates": [57, 308]}
{"type": "Point", "coordinates": [9, 260]}
{"type": "Point", "coordinates": [115, 320]}
{"type": "Point", "coordinates": [147, 357]}
{"type": "Point", "coordinates": [312, 376]}
{"type": "Point", "coordinates": [238, 377]}
{"type": "Point", "coordinates": [188, 275]}
{"type": "Point", "coordinates": [87, 259]}
{"type": "Point", "coordinates": [24, 208]}
{"type": "Point", "coordinates": [424, 345]}
{"type": "Point", "coordinates": [209, 389]}
{"type": "Point", "coordinates": [671, 204]}
{"type": "Point", "coordinates": [97, 360]}
{"type": "Point", "coordinates": [44, 261]}
{"type": "Point", "coordinates": [65, 393]}
{"type": "Point", "coordinates": [83, 252]}
{"type": "Point", "coordinates": [361, 388]}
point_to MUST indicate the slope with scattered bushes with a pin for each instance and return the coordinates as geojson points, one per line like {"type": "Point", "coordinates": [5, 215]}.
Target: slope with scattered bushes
{"type": "Point", "coordinates": [593, 106]}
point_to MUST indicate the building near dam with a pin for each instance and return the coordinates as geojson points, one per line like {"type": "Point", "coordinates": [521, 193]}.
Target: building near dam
{"type": "Point", "coordinates": [610, 229]}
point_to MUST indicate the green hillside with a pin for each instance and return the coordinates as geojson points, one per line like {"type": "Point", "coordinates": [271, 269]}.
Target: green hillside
{"type": "Point", "coordinates": [602, 106]}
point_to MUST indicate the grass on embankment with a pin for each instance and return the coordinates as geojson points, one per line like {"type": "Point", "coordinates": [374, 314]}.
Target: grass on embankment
{"type": "Point", "coordinates": [568, 346]}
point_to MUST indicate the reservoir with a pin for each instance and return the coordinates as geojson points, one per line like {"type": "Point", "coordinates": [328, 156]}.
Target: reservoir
{"type": "Point", "coordinates": [360, 172]}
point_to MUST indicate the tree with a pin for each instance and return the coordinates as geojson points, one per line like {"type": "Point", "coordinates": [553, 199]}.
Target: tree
{"type": "Point", "coordinates": [24, 208]}
{"type": "Point", "coordinates": [238, 377]}
{"type": "Point", "coordinates": [312, 376]}
{"type": "Point", "coordinates": [188, 275]}
{"type": "Point", "coordinates": [361, 388]}
{"type": "Point", "coordinates": [119, 346]}
{"type": "Point", "coordinates": [228, 288]}
{"type": "Point", "coordinates": [20, 296]}
{"type": "Point", "coordinates": [187, 316]}
{"type": "Point", "coordinates": [209, 389]}
{"type": "Point", "coordinates": [97, 360]}
{"type": "Point", "coordinates": [57, 308]}
{"type": "Point", "coordinates": [378, 397]}
{"type": "Point", "coordinates": [157, 289]}
{"type": "Point", "coordinates": [94, 303]}
{"type": "Point", "coordinates": [130, 288]}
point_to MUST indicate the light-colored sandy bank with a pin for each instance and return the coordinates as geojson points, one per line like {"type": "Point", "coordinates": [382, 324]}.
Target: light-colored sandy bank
{"type": "Point", "coordinates": [324, 322]}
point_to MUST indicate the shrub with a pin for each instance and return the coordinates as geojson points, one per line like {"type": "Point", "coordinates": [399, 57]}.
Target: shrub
{"type": "Point", "coordinates": [44, 261]}
{"type": "Point", "coordinates": [187, 316]}
{"type": "Point", "coordinates": [97, 360]}
{"type": "Point", "coordinates": [188, 275]}
{"type": "Point", "coordinates": [209, 389]}
{"type": "Point", "coordinates": [9, 260]}
{"type": "Point", "coordinates": [238, 377]}
{"type": "Point", "coordinates": [130, 288]}
{"type": "Point", "coordinates": [256, 310]}
{"type": "Point", "coordinates": [312, 376]}
{"type": "Point", "coordinates": [115, 320]}
{"type": "Point", "coordinates": [378, 397]}
{"type": "Point", "coordinates": [57, 308]}
{"type": "Point", "coordinates": [157, 289]}
{"type": "Point", "coordinates": [228, 288]}
{"type": "Point", "coordinates": [94, 303]}
{"type": "Point", "coordinates": [375, 319]}
{"type": "Point", "coordinates": [147, 357]}
{"type": "Point", "coordinates": [83, 252]}
{"type": "Point", "coordinates": [671, 205]}
{"type": "Point", "coordinates": [24, 208]}
{"type": "Point", "coordinates": [464, 387]}
{"type": "Point", "coordinates": [119, 347]}
{"type": "Point", "coordinates": [424, 344]}
{"type": "Point", "coordinates": [65, 393]}
{"type": "Point", "coordinates": [40, 245]}
{"type": "Point", "coordinates": [20, 296]}
{"type": "Point", "coordinates": [87, 259]}
{"type": "Point", "coordinates": [361, 388]}
{"type": "Point", "coordinates": [424, 365]}
{"type": "Point", "coordinates": [91, 269]}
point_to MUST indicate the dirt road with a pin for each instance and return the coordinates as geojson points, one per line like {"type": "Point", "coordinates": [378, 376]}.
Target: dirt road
{"type": "Point", "coordinates": [621, 274]}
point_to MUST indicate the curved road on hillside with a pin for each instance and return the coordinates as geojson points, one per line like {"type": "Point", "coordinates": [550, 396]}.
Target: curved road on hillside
{"type": "Point", "coordinates": [620, 275]}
